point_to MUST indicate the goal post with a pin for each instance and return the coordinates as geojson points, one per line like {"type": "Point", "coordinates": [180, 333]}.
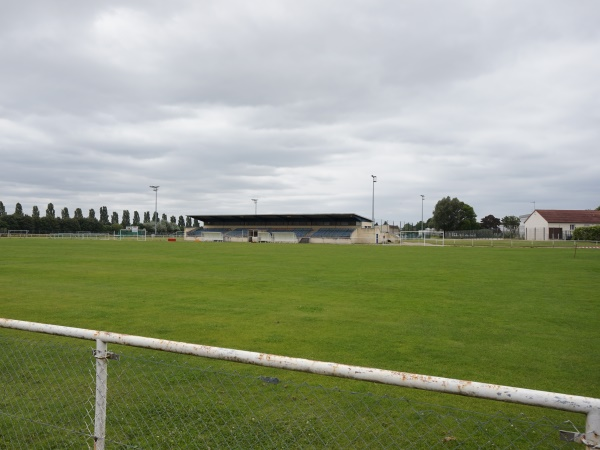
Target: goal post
{"type": "Point", "coordinates": [18, 233]}
{"type": "Point", "coordinates": [132, 233]}
{"type": "Point", "coordinates": [422, 237]}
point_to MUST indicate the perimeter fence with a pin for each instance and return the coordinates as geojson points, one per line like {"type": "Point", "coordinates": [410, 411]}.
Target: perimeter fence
{"type": "Point", "coordinates": [85, 235]}
{"type": "Point", "coordinates": [62, 393]}
{"type": "Point", "coordinates": [518, 243]}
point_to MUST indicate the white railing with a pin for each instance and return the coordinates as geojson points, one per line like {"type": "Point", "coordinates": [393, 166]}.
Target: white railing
{"type": "Point", "coordinates": [572, 403]}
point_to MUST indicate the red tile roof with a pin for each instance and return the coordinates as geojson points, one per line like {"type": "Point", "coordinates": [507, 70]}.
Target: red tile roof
{"type": "Point", "coordinates": [570, 216]}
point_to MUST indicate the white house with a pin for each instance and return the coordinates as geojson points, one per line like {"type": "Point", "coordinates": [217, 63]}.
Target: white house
{"type": "Point", "coordinates": [546, 224]}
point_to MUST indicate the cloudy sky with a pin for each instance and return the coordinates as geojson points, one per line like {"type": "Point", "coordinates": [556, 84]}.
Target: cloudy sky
{"type": "Point", "coordinates": [298, 103]}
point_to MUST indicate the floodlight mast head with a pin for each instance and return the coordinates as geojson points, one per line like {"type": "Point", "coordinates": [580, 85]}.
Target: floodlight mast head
{"type": "Point", "coordinates": [155, 189]}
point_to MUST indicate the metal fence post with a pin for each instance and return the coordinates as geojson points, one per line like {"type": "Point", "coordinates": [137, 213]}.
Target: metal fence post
{"type": "Point", "coordinates": [101, 390]}
{"type": "Point", "coordinates": [592, 429]}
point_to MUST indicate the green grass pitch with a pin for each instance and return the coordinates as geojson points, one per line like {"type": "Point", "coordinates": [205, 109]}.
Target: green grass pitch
{"type": "Point", "coordinates": [512, 316]}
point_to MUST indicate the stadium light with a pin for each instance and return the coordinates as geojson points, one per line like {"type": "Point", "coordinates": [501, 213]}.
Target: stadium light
{"type": "Point", "coordinates": [422, 200]}
{"type": "Point", "coordinates": [255, 200]}
{"type": "Point", "coordinates": [155, 189]}
{"type": "Point", "coordinates": [373, 202]}
{"type": "Point", "coordinates": [533, 205]}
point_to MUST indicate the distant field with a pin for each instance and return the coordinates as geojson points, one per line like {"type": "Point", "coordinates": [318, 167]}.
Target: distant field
{"type": "Point", "coordinates": [514, 316]}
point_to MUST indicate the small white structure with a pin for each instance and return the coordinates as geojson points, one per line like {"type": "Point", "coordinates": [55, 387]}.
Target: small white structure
{"type": "Point", "coordinates": [548, 224]}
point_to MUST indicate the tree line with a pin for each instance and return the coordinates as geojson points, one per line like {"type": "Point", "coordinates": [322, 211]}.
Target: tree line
{"type": "Point", "coordinates": [52, 222]}
{"type": "Point", "coordinates": [449, 214]}
{"type": "Point", "coordinates": [452, 214]}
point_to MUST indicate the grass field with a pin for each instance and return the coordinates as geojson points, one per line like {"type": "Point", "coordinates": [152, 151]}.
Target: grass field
{"type": "Point", "coordinates": [514, 316]}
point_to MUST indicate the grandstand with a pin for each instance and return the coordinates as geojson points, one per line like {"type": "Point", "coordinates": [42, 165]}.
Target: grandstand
{"type": "Point", "coordinates": [288, 228]}
{"type": "Point", "coordinates": [338, 233]}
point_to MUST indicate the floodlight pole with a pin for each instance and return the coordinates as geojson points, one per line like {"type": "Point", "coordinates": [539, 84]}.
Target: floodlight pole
{"type": "Point", "coordinates": [422, 200]}
{"type": "Point", "coordinates": [422, 223]}
{"type": "Point", "coordinates": [533, 205]}
{"type": "Point", "coordinates": [255, 200]}
{"type": "Point", "coordinates": [373, 201]}
{"type": "Point", "coordinates": [155, 189]}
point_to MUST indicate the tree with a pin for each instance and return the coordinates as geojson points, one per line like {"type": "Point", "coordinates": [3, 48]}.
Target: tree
{"type": "Point", "coordinates": [64, 213]}
{"type": "Point", "coordinates": [7, 222]}
{"type": "Point", "coordinates": [23, 222]}
{"type": "Point", "coordinates": [181, 222]}
{"type": "Point", "coordinates": [421, 225]}
{"type": "Point", "coordinates": [2, 209]}
{"type": "Point", "coordinates": [68, 225]}
{"type": "Point", "coordinates": [173, 220]}
{"type": "Point", "coordinates": [35, 213]}
{"type": "Point", "coordinates": [147, 217]}
{"type": "Point", "coordinates": [50, 213]}
{"type": "Point", "coordinates": [92, 224]}
{"type": "Point", "coordinates": [452, 214]}
{"type": "Point", "coordinates": [196, 222]}
{"type": "Point", "coordinates": [511, 223]}
{"type": "Point", "coordinates": [18, 210]}
{"type": "Point", "coordinates": [164, 226]}
{"type": "Point", "coordinates": [188, 222]}
{"type": "Point", "coordinates": [125, 221]}
{"type": "Point", "coordinates": [47, 225]}
{"type": "Point", "coordinates": [78, 214]}
{"type": "Point", "coordinates": [164, 217]}
{"type": "Point", "coordinates": [92, 214]}
{"type": "Point", "coordinates": [136, 218]}
{"type": "Point", "coordinates": [104, 215]}
{"type": "Point", "coordinates": [114, 220]}
{"type": "Point", "coordinates": [490, 222]}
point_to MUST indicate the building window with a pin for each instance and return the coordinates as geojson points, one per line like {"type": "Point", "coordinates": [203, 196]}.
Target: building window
{"type": "Point", "coordinates": [572, 227]}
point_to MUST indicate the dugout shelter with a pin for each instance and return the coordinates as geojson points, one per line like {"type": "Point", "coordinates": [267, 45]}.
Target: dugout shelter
{"type": "Point", "coordinates": [288, 228]}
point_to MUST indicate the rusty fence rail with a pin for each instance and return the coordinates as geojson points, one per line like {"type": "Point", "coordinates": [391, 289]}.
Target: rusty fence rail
{"type": "Point", "coordinates": [283, 428]}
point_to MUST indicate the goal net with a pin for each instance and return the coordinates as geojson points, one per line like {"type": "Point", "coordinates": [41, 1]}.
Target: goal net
{"type": "Point", "coordinates": [18, 233]}
{"type": "Point", "coordinates": [423, 237]}
{"type": "Point", "coordinates": [132, 233]}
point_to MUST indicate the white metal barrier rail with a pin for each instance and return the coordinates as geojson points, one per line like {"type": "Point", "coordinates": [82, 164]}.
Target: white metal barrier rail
{"type": "Point", "coordinates": [572, 403]}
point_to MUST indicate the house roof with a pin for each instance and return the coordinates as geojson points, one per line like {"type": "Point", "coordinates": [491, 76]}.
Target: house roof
{"type": "Point", "coordinates": [569, 216]}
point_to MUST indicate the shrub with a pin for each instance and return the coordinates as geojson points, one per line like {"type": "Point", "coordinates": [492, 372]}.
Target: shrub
{"type": "Point", "coordinates": [587, 233]}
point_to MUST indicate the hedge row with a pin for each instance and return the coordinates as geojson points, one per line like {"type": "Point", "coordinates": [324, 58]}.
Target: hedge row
{"type": "Point", "coordinates": [587, 233]}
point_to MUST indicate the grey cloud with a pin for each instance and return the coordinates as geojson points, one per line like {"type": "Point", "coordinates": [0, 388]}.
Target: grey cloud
{"type": "Point", "coordinates": [298, 104]}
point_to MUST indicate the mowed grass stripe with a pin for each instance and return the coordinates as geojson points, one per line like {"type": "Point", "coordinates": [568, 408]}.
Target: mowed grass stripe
{"type": "Point", "coordinates": [521, 317]}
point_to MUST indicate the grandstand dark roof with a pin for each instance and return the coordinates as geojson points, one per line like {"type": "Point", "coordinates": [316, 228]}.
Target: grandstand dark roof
{"type": "Point", "coordinates": [209, 219]}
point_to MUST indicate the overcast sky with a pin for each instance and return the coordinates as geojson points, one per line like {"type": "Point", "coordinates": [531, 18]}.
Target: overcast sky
{"type": "Point", "coordinates": [298, 103]}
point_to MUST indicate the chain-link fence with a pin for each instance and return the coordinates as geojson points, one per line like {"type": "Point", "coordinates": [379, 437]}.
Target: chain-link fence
{"type": "Point", "coordinates": [47, 396]}
{"type": "Point", "coordinates": [178, 402]}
